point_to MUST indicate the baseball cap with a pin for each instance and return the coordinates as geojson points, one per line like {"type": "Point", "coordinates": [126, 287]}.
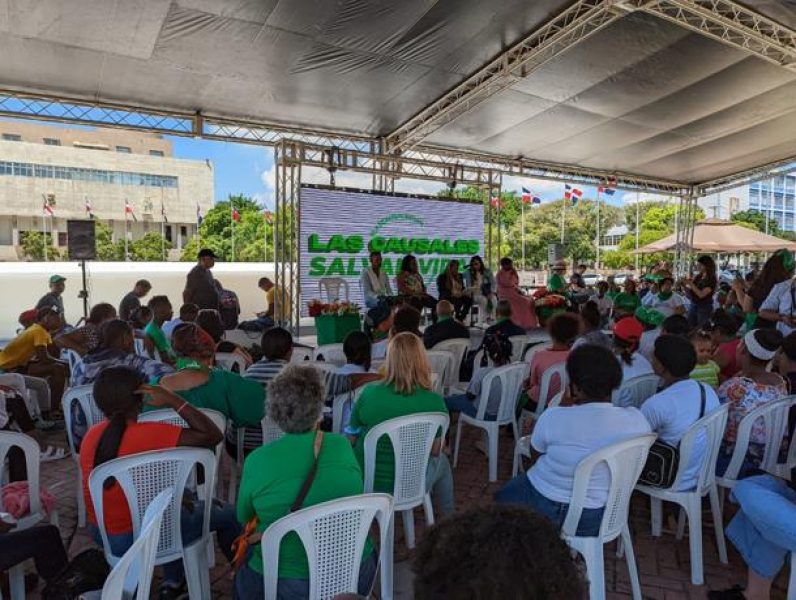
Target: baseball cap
{"type": "Point", "coordinates": [207, 252]}
{"type": "Point", "coordinates": [628, 329]}
{"type": "Point", "coordinates": [57, 279]}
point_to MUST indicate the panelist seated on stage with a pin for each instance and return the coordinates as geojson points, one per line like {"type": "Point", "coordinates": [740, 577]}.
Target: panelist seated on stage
{"type": "Point", "coordinates": [450, 284]}
{"type": "Point", "coordinates": [375, 283]}
{"type": "Point", "coordinates": [412, 287]}
{"type": "Point", "coordinates": [446, 328]}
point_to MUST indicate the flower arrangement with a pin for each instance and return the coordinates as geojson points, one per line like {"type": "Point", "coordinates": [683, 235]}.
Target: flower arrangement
{"type": "Point", "coordinates": [317, 308]}
{"type": "Point", "coordinates": [544, 298]}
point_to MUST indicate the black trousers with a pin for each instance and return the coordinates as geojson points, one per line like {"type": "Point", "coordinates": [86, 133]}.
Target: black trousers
{"type": "Point", "coordinates": [421, 302]}
{"type": "Point", "coordinates": [41, 543]}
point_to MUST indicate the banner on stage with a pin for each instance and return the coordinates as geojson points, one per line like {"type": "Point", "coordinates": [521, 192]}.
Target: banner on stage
{"type": "Point", "coordinates": [339, 227]}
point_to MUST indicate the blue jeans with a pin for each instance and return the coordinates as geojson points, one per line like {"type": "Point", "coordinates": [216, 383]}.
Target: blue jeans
{"type": "Point", "coordinates": [223, 522]}
{"type": "Point", "coordinates": [439, 483]}
{"type": "Point", "coordinates": [249, 584]}
{"type": "Point", "coordinates": [463, 403]}
{"type": "Point", "coordinates": [520, 491]}
{"type": "Point", "coordinates": [699, 314]}
{"type": "Point", "coordinates": [764, 530]}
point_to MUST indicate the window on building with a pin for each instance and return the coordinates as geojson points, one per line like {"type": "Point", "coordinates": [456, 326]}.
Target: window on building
{"type": "Point", "coordinates": [62, 240]}
{"type": "Point", "coordinates": [183, 231]}
{"type": "Point", "coordinates": [167, 232]}
{"type": "Point", "coordinates": [80, 174]}
{"type": "Point", "coordinates": [156, 153]}
{"type": "Point", "coordinates": [52, 141]}
{"type": "Point", "coordinates": [123, 149]}
{"type": "Point", "coordinates": [12, 137]}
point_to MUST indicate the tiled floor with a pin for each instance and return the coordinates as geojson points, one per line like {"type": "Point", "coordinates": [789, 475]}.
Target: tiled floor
{"type": "Point", "coordinates": [663, 562]}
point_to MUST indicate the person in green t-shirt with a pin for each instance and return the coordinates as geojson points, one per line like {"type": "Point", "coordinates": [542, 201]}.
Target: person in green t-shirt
{"type": "Point", "coordinates": [161, 312]}
{"type": "Point", "coordinates": [556, 282]}
{"type": "Point", "coordinates": [627, 302]}
{"type": "Point", "coordinates": [406, 390]}
{"type": "Point", "coordinates": [274, 474]}
{"type": "Point", "coordinates": [241, 400]}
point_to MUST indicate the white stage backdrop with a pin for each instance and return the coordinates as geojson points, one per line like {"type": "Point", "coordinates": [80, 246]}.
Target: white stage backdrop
{"type": "Point", "coordinates": [338, 228]}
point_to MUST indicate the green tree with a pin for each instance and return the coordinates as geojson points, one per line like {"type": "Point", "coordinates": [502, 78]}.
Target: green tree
{"type": "Point", "coordinates": [32, 243]}
{"type": "Point", "coordinates": [107, 249]}
{"type": "Point", "coordinates": [148, 248]}
{"type": "Point", "coordinates": [754, 219]}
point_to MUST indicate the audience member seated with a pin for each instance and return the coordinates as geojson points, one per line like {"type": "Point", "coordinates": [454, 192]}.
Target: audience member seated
{"type": "Point", "coordinates": [406, 390]}
{"type": "Point", "coordinates": [498, 348]}
{"type": "Point", "coordinates": [450, 284]}
{"type": "Point", "coordinates": [473, 555]}
{"type": "Point", "coordinates": [762, 532]}
{"type": "Point", "coordinates": [356, 371]}
{"type": "Point", "coordinates": [753, 386]}
{"type": "Point", "coordinates": [412, 288]}
{"type": "Point", "coordinates": [626, 302]}
{"type": "Point", "coordinates": [188, 313]}
{"type": "Point", "coordinates": [565, 435]}
{"type": "Point", "coordinates": [41, 543]}
{"type": "Point", "coordinates": [786, 365]}
{"type": "Point", "coordinates": [726, 340]}
{"type": "Point", "coordinates": [274, 478]}
{"type": "Point", "coordinates": [563, 329]}
{"type": "Point", "coordinates": [119, 393]}
{"type": "Point", "coordinates": [627, 334]}
{"type": "Point", "coordinates": [33, 355]}
{"type": "Point", "coordinates": [241, 400]}
{"type": "Point", "coordinates": [681, 402]}
{"type": "Point", "coordinates": [161, 312]}
{"type": "Point", "coordinates": [675, 325]}
{"type": "Point", "coordinates": [481, 286]}
{"type": "Point", "coordinates": [503, 323]}
{"type": "Point", "coordinates": [706, 370]}
{"type": "Point", "coordinates": [87, 338]}
{"type": "Point", "coordinates": [590, 327]}
{"type": "Point", "coordinates": [604, 302]}
{"type": "Point", "coordinates": [652, 320]}
{"type": "Point", "coordinates": [405, 320]}
{"type": "Point", "coordinates": [446, 327]}
{"type": "Point", "coordinates": [375, 283]}
{"type": "Point", "coordinates": [277, 346]}
{"type": "Point", "coordinates": [210, 320]}
{"type": "Point", "coordinates": [665, 301]}
{"type": "Point", "coordinates": [132, 300]}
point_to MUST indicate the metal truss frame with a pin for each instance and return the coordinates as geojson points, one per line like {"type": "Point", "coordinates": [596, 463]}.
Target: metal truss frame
{"type": "Point", "coordinates": [287, 234]}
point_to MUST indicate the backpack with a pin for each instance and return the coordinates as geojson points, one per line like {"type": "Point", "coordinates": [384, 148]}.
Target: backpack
{"type": "Point", "coordinates": [85, 572]}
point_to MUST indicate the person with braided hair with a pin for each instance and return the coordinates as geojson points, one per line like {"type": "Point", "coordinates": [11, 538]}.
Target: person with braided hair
{"type": "Point", "coordinates": [119, 392]}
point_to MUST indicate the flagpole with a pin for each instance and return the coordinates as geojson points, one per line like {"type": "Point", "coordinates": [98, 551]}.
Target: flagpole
{"type": "Point", "coordinates": [597, 244]}
{"type": "Point", "coordinates": [523, 233]}
{"type": "Point", "coordinates": [638, 225]}
{"type": "Point", "coordinates": [232, 219]}
{"type": "Point", "coordinates": [162, 233]}
{"type": "Point", "coordinates": [126, 233]}
{"type": "Point", "coordinates": [44, 228]}
{"type": "Point", "coordinates": [563, 212]}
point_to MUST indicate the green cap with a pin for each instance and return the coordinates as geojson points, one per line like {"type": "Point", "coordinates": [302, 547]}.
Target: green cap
{"type": "Point", "coordinates": [57, 279]}
{"type": "Point", "coordinates": [650, 316]}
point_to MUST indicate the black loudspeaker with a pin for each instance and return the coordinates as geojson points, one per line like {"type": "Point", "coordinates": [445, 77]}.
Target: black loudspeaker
{"type": "Point", "coordinates": [82, 239]}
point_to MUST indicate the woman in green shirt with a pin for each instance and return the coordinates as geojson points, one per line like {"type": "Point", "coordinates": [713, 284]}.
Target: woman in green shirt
{"type": "Point", "coordinates": [198, 382]}
{"type": "Point", "coordinates": [406, 390]}
{"type": "Point", "coordinates": [274, 474]}
{"type": "Point", "coordinates": [627, 302]}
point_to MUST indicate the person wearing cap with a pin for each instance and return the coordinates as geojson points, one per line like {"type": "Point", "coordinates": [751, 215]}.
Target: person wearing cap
{"type": "Point", "coordinates": [652, 320]}
{"type": "Point", "coordinates": [556, 282]}
{"type": "Point", "coordinates": [54, 298]}
{"type": "Point", "coordinates": [132, 300]}
{"type": "Point", "coordinates": [627, 337]}
{"type": "Point", "coordinates": [200, 287]}
{"type": "Point", "coordinates": [752, 387]}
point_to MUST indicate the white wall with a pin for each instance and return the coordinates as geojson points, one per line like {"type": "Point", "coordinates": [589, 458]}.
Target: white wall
{"type": "Point", "coordinates": [25, 282]}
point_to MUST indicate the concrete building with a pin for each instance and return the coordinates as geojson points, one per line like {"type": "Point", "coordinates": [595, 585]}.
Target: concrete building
{"type": "Point", "coordinates": [72, 169]}
{"type": "Point", "coordinates": [612, 238]}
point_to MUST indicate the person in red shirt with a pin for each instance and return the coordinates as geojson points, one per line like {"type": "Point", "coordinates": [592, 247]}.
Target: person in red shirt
{"type": "Point", "coordinates": [563, 329]}
{"type": "Point", "coordinates": [119, 393]}
{"type": "Point", "coordinates": [726, 340]}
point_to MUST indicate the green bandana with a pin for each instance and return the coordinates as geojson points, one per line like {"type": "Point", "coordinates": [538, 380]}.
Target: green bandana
{"type": "Point", "coordinates": [189, 363]}
{"type": "Point", "coordinates": [665, 295]}
{"type": "Point", "coordinates": [787, 258]}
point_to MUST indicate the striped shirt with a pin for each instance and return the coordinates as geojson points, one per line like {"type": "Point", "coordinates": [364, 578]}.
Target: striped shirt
{"type": "Point", "coordinates": [262, 372]}
{"type": "Point", "coordinates": [707, 373]}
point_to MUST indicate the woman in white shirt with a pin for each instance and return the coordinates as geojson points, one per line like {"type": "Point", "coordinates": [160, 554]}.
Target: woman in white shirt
{"type": "Point", "coordinates": [565, 435]}
{"type": "Point", "coordinates": [665, 301]}
{"type": "Point", "coordinates": [627, 336]}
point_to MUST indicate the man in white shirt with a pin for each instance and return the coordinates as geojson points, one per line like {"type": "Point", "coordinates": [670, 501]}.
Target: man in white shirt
{"type": "Point", "coordinates": [779, 306]}
{"type": "Point", "coordinates": [188, 314]}
{"type": "Point", "coordinates": [375, 283]}
{"type": "Point", "coordinates": [679, 405]}
{"type": "Point", "coordinates": [665, 301]}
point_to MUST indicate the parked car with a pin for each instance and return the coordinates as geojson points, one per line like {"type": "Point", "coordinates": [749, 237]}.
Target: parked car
{"type": "Point", "coordinates": [591, 279]}
{"type": "Point", "coordinates": [620, 278]}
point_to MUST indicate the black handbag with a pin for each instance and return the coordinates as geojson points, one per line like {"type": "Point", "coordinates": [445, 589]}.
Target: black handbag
{"type": "Point", "coordinates": [663, 459]}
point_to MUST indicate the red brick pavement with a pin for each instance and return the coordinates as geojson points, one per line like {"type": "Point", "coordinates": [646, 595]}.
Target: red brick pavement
{"type": "Point", "coordinates": [663, 562]}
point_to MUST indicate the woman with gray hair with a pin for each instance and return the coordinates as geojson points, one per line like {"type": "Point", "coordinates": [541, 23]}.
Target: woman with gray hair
{"type": "Point", "coordinates": [302, 468]}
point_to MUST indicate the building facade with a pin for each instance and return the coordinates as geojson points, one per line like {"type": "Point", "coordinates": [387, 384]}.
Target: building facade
{"type": "Point", "coordinates": [127, 180]}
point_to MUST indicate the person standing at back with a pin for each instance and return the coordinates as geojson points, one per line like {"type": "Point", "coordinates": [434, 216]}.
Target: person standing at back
{"type": "Point", "coordinates": [701, 290]}
{"type": "Point", "coordinates": [200, 287]}
{"type": "Point", "coordinates": [132, 300]}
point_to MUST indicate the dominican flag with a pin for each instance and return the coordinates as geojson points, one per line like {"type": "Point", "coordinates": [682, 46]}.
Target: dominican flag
{"type": "Point", "coordinates": [526, 196]}
{"type": "Point", "coordinates": [536, 200]}
{"type": "Point", "coordinates": [235, 215]}
{"type": "Point", "coordinates": [571, 193]}
{"type": "Point", "coordinates": [495, 202]}
{"type": "Point", "coordinates": [199, 217]}
{"type": "Point", "coordinates": [129, 210]}
{"type": "Point", "coordinates": [88, 209]}
{"type": "Point", "coordinates": [269, 216]}
{"type": "Point", "coordinates": [47, 209]}
{"type": "Point", "coordinates": [609, 187]}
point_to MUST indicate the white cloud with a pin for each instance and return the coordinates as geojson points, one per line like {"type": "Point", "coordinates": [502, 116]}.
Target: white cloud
{"type": "Point", "coordinates": [633, 197]}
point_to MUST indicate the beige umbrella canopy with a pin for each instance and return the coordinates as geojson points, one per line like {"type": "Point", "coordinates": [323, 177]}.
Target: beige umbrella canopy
{"type": "Point", "coordinates": [716, 235]}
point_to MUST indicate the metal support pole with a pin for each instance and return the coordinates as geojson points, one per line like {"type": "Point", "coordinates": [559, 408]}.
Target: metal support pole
{"type": "Point", "coordinates": [522, 231]}
{"type": "Point", "coordinates": [287, 233]}
{"type": "Point", "coordinates": [638, 227]}
{"type": "Point", "coordinates": [597, 241]}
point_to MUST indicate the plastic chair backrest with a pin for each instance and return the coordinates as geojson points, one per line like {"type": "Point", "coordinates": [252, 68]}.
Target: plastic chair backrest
{"type": "Point", "coordinates": [558, 371]}
{"type": "Point", "coordinates": [142, 477]}
{"type": "Point", "coordinates": [140, 347]}
{"type": "Point", "coordinates": [333, 534]}
{"type": "Point", "coordinates": [300, 355]}
{"type": "Point", "coordinates": [131, 577]}
{"type": "Point", "coordinates": [168, 415]}
{"type": "Point", "coordinates": [510, 378]}
{"type": "Point", "coordinates": [637, 390]}
{"type": "Point", "coordinates": [331, 353]}
{"type": "Point", "coordinates": [30, 448]}
{"type": "Point", "coordinates": [712, 427]}
{"type": "Point", "coordinates": [231, 361]}
{"type": "Point", "coordinates": [556, 400]}
{"type": "Point", "coordinates": [412, 437]}
{"type": "Point", "coordinates": [533, 350]}
{"type": "Point", "coordinates": [518, 343]}
{"type": "Point", "coordinates": [775, 421]}
{"type": "Point", "coordinates": [271, 430]}
{"type": "Point", "coordinates": [624, 461]}
{"type": "Point", "coordinates": [458, 348]}
{"type": "Point", "coordinates": [84, 396]}
{"type": "Point", "coordinates": [71, 357]}
{"type": "Point", "coordinates": [441, 362]}
{"type": "Point", "coordinates": [331, 286]}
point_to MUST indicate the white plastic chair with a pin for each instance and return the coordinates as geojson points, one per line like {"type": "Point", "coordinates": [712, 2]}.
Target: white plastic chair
{"type": "Point", "coordinates": [775, 420]}
{"type": "Point", "coordinates": [140, 347]}
{"type": "Point", "coordinates": [142, 477]}
{"type": "Point", "coordinates": [332, 286]}
{"type": "Point", "coordinates": [412, 437]}
{"type": "Point", "coordinates": [711, 429]}
{"type": "Point", "coordinates": [331, 353]}
{"type": "Point", "coordinates": [333, 535]}
{"type": "Point", "coordinates": [9, 440]}
{"type": "Point", "coordinates": [131, 577]}
{"type": "Point", "coordinates": [71, 357]}
{"type": "Point", "coordinates": [624, 460]}
{"type": "Point", "coordinates": [300, 355]}
{"type": "Point", "coordinates": [231, 361]}
{"type": "Point", "coordinates": [518, 343]}
{"type": "Point", "coordinates": [523, 445]}
{"type": "Point", "coordinates": [458, 348]}
{"type": "Point", "coordinates": [83, 395]}
{"type": "Point", "coordinates": [338, 407]}
{"type": "Point", "coordinates": [510, 378]}
{"type": "Point", "coordinates": [556, 372]}
{"type": "Point", "coordinates": [636, 390]}
{"type": "Point", "coordinates": [441, 362]}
